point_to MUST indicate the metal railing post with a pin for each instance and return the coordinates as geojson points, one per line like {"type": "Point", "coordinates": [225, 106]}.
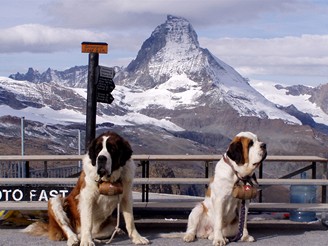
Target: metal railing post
{"type": "Point", "coordinates": [314, 170]}
{"type": "Point", "coordinates": [260, 177]}
{"type": "Point", "coordinates": [147, 185]}
{"type": "Point", "coordinates": [144, 174]}
{"type": "Point", "coordinates": [27, 169]}
{"type": "Point", "coordinates": [206, 169]}
{"type": "Point", "coordinates": [45, 172]}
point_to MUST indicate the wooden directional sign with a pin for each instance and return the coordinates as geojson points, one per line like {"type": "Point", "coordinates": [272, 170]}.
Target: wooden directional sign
{"type": "Point", "coordinates": [107, 72]}
{"type": "Point", "coordinates": [105, 97]}
{"type": "Point", "coordinates": [105, 84]}
{"type": "Point", "coordinates": [90, 47]}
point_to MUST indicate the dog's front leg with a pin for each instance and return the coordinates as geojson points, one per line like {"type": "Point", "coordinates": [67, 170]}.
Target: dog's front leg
{"type": "Point", "coordinates": [219, 240]}
{"type": "Point", "coordinates": [193, 222]}
{"type": "Point", "coordinates": [86, 203]}
{"type": "Point", "coordinates": [246, 237]}
{"type": "Point", "coordinates": [127, 209]}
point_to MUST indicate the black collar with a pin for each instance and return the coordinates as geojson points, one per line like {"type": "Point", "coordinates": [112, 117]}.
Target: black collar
{"type": "Point", "coordinates": [246, 179]}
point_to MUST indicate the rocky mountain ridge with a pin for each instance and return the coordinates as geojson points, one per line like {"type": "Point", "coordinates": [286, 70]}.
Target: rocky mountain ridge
{"type": "Point", "coordinates": [72, 77]}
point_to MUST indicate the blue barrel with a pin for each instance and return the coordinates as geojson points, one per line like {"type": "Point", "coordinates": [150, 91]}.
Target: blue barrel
{"type": "Point", "coordinates": [303, 194]}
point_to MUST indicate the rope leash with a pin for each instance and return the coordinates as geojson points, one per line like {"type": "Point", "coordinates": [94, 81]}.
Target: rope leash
{"type": "Point", "coordinates": [241, 223]}
{"type": "Point", "coordinates": [247, 179]}
{"type": "Point", "coordinates": [117, 228]}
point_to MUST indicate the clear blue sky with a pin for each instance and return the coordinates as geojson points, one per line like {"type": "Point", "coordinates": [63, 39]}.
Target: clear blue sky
{"type": "Point", "coordinates": [285, 41]}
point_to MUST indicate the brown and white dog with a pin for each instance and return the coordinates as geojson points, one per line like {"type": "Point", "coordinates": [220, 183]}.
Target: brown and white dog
{"type": "Point", "coordinates": [85, 214]}
{"type": "Point", "coordinates": [217, 217]}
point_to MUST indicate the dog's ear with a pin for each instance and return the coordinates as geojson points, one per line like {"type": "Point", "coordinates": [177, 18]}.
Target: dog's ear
{"type": "Point", "coordinates": [92, 152]}
{"type": "Point", "coordinates": [235, 152]}
{"type": "Point", "coordinates": [125, 152]}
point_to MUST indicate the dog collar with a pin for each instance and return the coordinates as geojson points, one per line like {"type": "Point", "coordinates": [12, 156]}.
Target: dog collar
{"type": "Point", "coordinates": [227, 161]}
{"type": "Point", "coordinates": [246, 179]}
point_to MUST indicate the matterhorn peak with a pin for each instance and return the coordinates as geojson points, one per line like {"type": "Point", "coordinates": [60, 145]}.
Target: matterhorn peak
{"type": "Point", "coordinates": [171, 59]}
{"type": "Point", "coordinates": [171, 49]}
{"type": "Point", "coordinates": [179, 30]}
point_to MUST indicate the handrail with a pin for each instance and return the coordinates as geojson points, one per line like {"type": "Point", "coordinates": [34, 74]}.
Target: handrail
{"type": "Point", "coordinates": [138, 181]}
{"type": "Point", "coordinates": [141, 157]}
{"type": "Point", "coordinates": [41, 157]}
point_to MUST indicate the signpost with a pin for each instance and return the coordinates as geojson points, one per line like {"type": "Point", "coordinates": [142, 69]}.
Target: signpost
{"type": "Point", "coordinates": [100, 86]}
{"type": "Point", "coordinates": [105, 84]}
{"type": "Point", "coordinates": [90, 47]}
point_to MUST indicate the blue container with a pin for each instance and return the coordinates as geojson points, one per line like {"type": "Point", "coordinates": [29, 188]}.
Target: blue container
{"type": "Point", "coordinates": [303, 194]}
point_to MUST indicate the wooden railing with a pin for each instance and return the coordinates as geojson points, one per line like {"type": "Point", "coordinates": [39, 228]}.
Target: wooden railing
{"type": "Point", "coordinates": [145, 181]}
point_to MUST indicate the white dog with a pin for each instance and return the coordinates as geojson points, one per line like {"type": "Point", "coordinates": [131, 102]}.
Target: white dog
{"type": "Point", "coordinates": [86, 214]}
{"type": "Point", "coordinates": [217, 217]}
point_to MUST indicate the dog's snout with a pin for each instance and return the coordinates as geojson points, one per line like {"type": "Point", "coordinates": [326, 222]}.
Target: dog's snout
{"type": "Point", "coordinates": [102, 159]}
{"type": "Point", "coordinates": [263, 146]}
{"type": "Point", "coordinates": [101, 172]}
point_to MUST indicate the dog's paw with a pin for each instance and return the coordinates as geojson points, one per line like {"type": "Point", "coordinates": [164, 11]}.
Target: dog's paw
{"type": "Point", "coordinates": [140, 240]}
{"type": "Point", "coordinates": [87, 243]}
{"type": "Point", "coordinates": [73, 241]}
{"type": "Point", "coordinates": [247, 238]}
{"type": "Point", "coordinates": [220, 241]}
{"type": "Point", "coordinates": [189, 237]}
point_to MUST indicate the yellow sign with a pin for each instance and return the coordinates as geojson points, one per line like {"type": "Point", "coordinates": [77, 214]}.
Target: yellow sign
{"type": "Point", "coordinates": [89, 47]}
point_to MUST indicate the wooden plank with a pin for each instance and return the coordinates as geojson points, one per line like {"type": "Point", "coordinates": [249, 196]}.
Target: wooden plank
{"type": "Point", "coordinates": [171, 181]}
{"type": "Point", "coordinates": [138, 181]}
{"type": "Point", "coordinates": [23, 206]}
{"type": "Point", "coordinates": [298, 158]}
{"type": "Point", "coordinates": [316, 207]}
{"type": "Point", "coordinates": [293, 181]}
{"type": "Point", "coordinates": [159, 158]}
{"type": "Point", "coordinates": [262, 207]}
{"type": "Point", "coordinates": [179, 157]}
{"type": "Point", "coordinates": [41, 157]}
{"type": "Point", "coordinates": [179, 205]}
{"type": "Point", "coordinates": [38, 181]}
{"type": "Point", "coordinates": [204, 181]}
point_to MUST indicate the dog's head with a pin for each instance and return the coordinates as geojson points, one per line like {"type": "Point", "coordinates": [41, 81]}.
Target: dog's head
{"type": "Point", "coordinates": [247, 153]}
{"type": "Point", "coordinates": [108, 154]}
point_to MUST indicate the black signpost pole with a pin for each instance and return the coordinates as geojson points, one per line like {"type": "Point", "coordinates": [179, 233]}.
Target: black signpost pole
{"type": "Point", "coordinates": [100, 84]}
{"type": "Point", "coordinates": [91, 100]}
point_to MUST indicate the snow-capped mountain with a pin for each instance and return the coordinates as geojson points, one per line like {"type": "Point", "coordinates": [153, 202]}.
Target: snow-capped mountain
{"type": "Point", "coordinates": [171, 58]}
{"type": "Point", "coordinates": [174, 89]}
{"type": "Point", "coordinates": [170, 71]}
{"type": "Point", "coordinates": [305, 99]}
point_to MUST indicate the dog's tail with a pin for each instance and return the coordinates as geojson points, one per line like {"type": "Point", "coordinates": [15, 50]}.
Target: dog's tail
{"type": "Point", "coordinates": [172, 235]}
{"type": "Point", "coordinates": [37, 229]}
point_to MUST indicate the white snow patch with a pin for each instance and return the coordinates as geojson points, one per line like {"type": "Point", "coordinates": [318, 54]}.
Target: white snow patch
{"type": "Point", "coordinates": [177, 91]}
{"type": "Point", "coordinates": [44, 115]}
{"type": "Point", "coordinates": [301, 102]}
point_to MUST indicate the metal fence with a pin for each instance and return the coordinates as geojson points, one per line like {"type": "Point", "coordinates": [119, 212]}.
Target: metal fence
{"type": "Point", "coordinates": [11, 169]}
{"type": "Point", "coordinates": [58, 172]}
{"type": "Point", "coordinates": [14, 169]}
